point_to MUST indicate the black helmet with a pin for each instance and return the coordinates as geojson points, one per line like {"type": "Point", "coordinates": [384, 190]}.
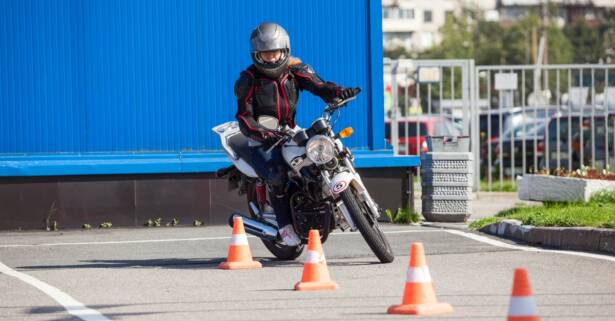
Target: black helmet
{"type": "Point", "coordinates": [266, 37]}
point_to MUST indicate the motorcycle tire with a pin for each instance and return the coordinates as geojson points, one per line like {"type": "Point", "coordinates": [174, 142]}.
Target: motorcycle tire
{"type": "Point", "coordinates": [280, 251]}
{"type": "Point", "coordinates": [370, 231]}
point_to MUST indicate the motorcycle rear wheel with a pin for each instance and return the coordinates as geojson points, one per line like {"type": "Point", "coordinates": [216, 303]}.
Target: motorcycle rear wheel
{"type": "Point", "coordinates": [280, 251]}
{"type": "Point", "coordinates": [369, 230]}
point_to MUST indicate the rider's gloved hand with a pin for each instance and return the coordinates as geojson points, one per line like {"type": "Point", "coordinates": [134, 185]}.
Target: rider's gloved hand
{"type": "Point", "coordinates": [270, 138]}
{"type": "Point", "coordinates": [345, 93]}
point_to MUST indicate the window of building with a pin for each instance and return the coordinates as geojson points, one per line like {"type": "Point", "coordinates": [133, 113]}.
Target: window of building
{"type": "Point", "coordinates": [427, 40]}
{"type": "Point", "coordinates": [427, 16]}
{"type": "Point", "coordinates": [406, 13]}
{"type": "Point", "coordinates": [397, 13]}
{"type": "Point", "coordinates": [397, 39]}
{"type": "Point", "coordinates": [386, 13]}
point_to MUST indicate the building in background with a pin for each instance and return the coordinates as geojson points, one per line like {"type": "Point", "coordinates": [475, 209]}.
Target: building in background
{"type": "Point", "coordinates": [414, 24]}
{"type": "Point", "coordinates": [568, 11]}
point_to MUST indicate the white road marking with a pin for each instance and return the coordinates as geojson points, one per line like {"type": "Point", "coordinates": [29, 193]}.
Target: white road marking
{"type": "Point", "coordinates": [472, 236]}
{"type": "Point", "coordinates": [71, 305]}
{"type": "Point", "coordinates": [119, 242]}
{"type": "Point", "coordinates": [497, 243]}
{"type": "Point", "coordinates": [184, 240]}
{"type": "Point", "coordinates": [388, 232]}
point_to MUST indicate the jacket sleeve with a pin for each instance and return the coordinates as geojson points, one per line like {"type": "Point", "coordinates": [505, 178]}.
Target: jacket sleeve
{"type": "Point", "coordinates": [307, 79]}
{"type": "Point", "coordinates": [244, 91]}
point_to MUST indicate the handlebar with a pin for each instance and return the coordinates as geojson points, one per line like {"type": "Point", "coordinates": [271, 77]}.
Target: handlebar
{"type": "Point", "coordinates": [285, 136]}
{"type": "Point", "coordinates": [331, 107]}
{"type": "Point", "coordinates": [339, 103]}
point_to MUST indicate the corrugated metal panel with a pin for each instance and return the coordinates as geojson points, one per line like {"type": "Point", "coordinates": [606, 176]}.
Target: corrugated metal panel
{"type": "Point", "coordinates": [137, 76]}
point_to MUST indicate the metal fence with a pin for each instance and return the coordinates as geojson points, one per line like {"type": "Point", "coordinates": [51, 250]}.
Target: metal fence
{"type": "Point", "coordinates": [521, 119]}
{"type": "Point", "coordinates": [427, 98]}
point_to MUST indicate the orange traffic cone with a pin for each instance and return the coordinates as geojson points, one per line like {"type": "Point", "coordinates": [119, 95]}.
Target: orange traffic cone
{"type": "Point", "coordinates": [419, 296]}
{"type": "Point", "coordinates": [239, 256]}
{"type": "Point", "coordinates": [522, 304]}
{"type": "Point", "coordinates": [315, 273]}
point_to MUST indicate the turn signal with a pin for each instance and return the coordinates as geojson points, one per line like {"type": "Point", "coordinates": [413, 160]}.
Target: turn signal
{"type": "Point", "coordinates": [345, 133]}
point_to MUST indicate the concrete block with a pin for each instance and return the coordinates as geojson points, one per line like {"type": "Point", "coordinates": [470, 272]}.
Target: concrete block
{"type": "Point", "coordinates": [581, 238]}
{"type": "Point", "coordinates": [534, 236]}
{"type": "Point", "coordinates": [434, 217]}
{"type": "Point", "coordinates": [552, 236]}
{"type": "Point", "coordinates": [560, 189]}
{"type": "Point", "coordinates": [491, 229]}
{"type": "Point", "coordinates": [523, 188]}
{"type": "Point", "coordinates": [607, 241]}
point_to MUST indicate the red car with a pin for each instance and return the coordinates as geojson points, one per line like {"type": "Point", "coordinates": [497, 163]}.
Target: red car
{"type": "Point", "coordinates": [434, 125]}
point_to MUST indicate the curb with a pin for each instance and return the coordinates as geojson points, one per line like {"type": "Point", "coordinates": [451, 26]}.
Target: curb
{"type": "Point", "coordinates": [567, 238]}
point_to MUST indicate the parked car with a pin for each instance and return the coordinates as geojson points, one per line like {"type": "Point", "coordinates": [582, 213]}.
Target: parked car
{"type": "Point", "coordinates": [513, 120]}
{"type": "Point", "coordinates": [410, 139]}
{"type": "Point", "coordinates": [514, 141]}
{"type": "Point", "coordinates": [570, 136]}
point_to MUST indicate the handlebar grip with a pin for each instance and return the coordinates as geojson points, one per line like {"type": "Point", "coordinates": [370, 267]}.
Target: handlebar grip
{"type": "Point", "coordinates": [356, 90]}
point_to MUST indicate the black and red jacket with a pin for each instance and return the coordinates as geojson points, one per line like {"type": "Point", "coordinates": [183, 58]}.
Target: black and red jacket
{"type": "Point", "coordinates": [258, 95]}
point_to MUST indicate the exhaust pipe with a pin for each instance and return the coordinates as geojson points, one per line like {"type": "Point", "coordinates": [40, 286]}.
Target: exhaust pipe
{"type": "Point", "coordinates": [256, 228]}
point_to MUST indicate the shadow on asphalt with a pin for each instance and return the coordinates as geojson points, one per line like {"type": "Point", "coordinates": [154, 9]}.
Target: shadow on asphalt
{"type": "Point", "coordinates": [113, 316]}
{"type": "Point", "coordinates": [199, 263]}
{"type": "Point", "coordinates": [56, 308]}
{"type": "Point", "coordinates": [150, 263]}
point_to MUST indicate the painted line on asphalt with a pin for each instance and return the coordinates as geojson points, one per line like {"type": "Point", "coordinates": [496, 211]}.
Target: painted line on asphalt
{"type": "Point", "coordinates": [182, 240]}
{"type": "Point", "coordinates": [71, 305]}
{"type": "Point", "coordinates": [389, 232]}
{"type": "Point", "coordinates": [119, 242]}
{"type": "Point", "coordinates": [497, 243]}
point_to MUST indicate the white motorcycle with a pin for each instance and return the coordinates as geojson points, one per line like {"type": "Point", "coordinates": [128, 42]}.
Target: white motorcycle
{"type": "Point", "coordinates": [326, 190]}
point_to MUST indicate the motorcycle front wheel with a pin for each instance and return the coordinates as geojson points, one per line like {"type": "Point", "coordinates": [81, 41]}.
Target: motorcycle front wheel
{"type": "Point", "coordinates": [280, 251]}
{"type": "Point", "coordinates": [369, 228]}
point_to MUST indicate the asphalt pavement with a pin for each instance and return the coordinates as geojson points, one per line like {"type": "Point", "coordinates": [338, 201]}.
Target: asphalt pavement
{"type": "Point", "coordinates": [172, 274]}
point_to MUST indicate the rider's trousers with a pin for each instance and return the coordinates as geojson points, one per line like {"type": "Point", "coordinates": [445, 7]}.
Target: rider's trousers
{"type": "Point", "coordinates": [274, 170]}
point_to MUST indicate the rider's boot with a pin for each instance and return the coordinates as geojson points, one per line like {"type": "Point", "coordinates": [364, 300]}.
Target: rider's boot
{"type": "Point", "coordinates": [281, 206]}
{"type": "Point", "coordinates": [288, 235]}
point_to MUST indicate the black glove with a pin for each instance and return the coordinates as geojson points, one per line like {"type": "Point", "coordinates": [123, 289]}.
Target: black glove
{"type": "Point", "coordinates": [270, 138]}
{"type": "Point", "coordinates": [346, 93]}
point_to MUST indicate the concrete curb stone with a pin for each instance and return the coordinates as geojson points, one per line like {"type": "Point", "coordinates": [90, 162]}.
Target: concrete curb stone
{"type": "Point", "coordinates": [567, 238]}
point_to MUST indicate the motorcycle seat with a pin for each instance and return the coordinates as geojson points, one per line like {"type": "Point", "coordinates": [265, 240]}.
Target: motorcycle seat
{"type": "Point", "coordinates": [239, 144]}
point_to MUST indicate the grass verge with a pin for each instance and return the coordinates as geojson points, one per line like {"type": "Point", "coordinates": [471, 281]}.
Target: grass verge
{"type": "Point", "coordinates": [598, 212]}
{"type": "Point", "coordinates": [403, 216]}
{"type": "Point", "coordinates": [506, 186]}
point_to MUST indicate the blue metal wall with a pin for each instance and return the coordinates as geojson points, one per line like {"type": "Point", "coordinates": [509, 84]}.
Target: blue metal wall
{"type": "Point", "coordinates": [140, 76]}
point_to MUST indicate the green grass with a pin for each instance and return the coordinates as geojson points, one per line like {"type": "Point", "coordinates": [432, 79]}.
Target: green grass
{"type": "Point", "coordinates": [507, 186]}
{"type": "Point", "coordinates": [599, 212]}
{"type": "Point", "coordinates": [403, 216]}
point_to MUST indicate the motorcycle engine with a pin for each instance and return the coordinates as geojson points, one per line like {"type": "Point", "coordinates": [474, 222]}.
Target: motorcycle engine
{"type": "Point", "coordinates": [309, 214]}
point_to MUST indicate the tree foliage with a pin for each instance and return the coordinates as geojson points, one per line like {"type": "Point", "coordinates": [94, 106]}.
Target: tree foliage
{"type": "Point", "coordinates": [469, 36]}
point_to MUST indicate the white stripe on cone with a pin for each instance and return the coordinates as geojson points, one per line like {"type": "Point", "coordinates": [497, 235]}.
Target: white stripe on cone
{"type": "Point", "coordinates": [521, 306]}
{"type": "Point", "coordinates": [418, 275]}
{"type": "Point", "coordinates": [315, 257]}
{"type": "Point", "coordinates": [239, 239]}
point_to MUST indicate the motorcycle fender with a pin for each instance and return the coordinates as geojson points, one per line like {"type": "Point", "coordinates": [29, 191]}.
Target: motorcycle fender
{"type": "Point", "coordinates": [341, 181]}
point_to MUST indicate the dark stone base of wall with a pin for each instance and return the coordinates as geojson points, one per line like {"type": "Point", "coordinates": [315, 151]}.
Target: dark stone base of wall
{"type": "Point", "coordinates": [130, 200]}
{"type": "Point", "coordinates": [565, 238]}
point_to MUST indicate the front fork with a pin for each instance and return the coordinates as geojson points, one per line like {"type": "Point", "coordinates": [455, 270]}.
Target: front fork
{"type": "Point", "coordinates": [261, 193]}
{"type": "Point", "coordinates": [343, 180]}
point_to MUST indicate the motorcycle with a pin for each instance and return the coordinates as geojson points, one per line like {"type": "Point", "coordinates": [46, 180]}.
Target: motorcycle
{"type": "Point", "coordinates": [326, 191]}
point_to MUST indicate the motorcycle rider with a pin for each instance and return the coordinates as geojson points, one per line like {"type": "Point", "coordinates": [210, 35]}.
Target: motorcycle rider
{"type": "Point", "coordinates": [270, 87]}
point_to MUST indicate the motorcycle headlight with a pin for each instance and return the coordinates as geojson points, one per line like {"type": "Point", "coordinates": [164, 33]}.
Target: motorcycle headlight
{"type": "Point", "coordinates": [320, 149]}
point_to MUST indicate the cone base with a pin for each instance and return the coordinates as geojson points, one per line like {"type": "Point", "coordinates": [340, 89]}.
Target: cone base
{"type": "Point", "coordinates": [240, 265]}
{"type": "Point", "coordinates": [316, 286]}
{"type": "Point", "coordinates": [421, 309]}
